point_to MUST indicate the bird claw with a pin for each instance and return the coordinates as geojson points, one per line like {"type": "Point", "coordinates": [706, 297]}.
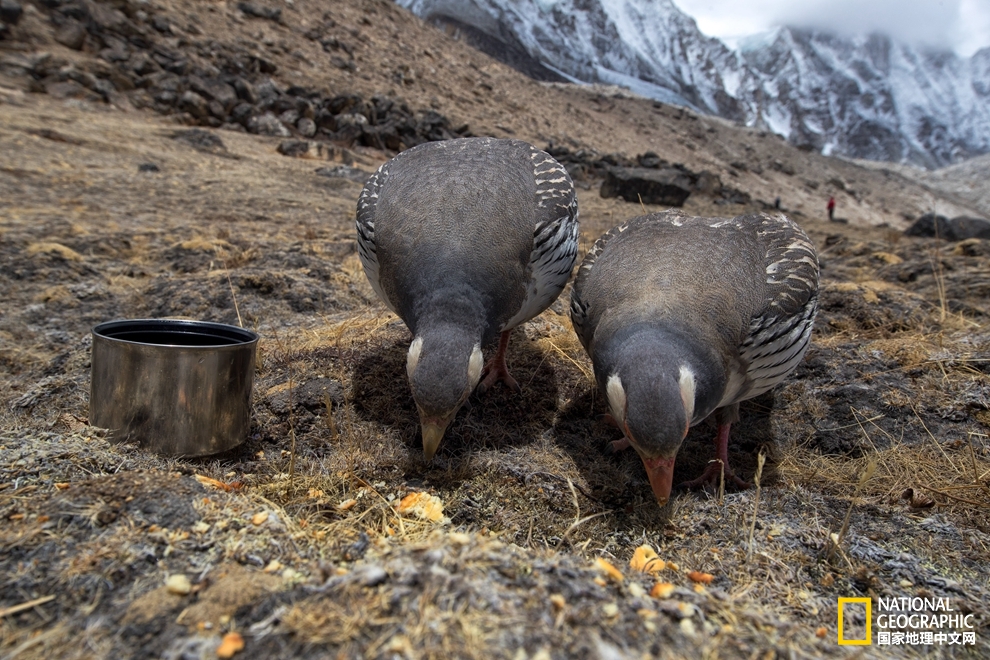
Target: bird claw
{"type": "Point", "coordinates": [711, 476]}
{"type": "Point", "coordinates": [494, 373]}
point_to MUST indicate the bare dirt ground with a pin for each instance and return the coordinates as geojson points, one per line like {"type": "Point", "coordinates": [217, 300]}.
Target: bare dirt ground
{"type": "Point", "coordinates": [313, 558]}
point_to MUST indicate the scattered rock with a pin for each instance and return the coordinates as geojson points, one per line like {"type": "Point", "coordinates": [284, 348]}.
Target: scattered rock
{"type": "Point", "coordinates": [194, 104]}
{"type": "Point", "coordinates": [957, 229]}
{"type": "Point", "coordinates": [965, 228]}
{"type": "Point", "coordinates": [148, 167]}
{"type": "Point", "coordinates": [201, 140]}
{"type": "Point", "coordinates": [669, 187]}
{"type": "Point", "coordinates": [650, 159]}
{"type": "Point", "coordinates": [15, 64]}
{"type": "Point", "coordinates": [71, 35]}
{"type": "Point", "coordinates": [267, 124]}
{"type": "Point", "coordinates": [306, 127]}
{"type": "Point", "coordinates": [214, 90]}
{"type": "Point", "coordinates": [258, 11]}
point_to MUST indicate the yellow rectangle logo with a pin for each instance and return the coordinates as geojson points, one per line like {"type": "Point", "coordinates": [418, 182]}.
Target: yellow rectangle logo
{"type": "Point", "coordinates": [868, 602]}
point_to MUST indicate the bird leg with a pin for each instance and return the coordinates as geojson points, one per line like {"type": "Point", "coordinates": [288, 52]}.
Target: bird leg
{"type": "Point", "coordinates": [715, 468]}
{"type": "Point", "coordinates": [620, 444]}
{"type": "Point", "coordinates": [496, 369]}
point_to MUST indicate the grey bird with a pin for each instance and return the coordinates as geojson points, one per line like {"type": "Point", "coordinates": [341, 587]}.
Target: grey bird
{"type": "Point", "coordinates": [685, 316]}
{"type": "Point", "coordinates": [465, 239]}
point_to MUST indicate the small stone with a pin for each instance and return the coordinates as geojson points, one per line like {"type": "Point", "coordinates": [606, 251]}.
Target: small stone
{"type": "Point", "coordinates": [148, 167]}
{"type": "Point", "coordinates": [294, 148]}
{"type": "Point", "coordinates": [201, 139]}
{"type": "Point", "coordinates": [649, 159]}
{"type": "Point", "coordinates": [610, 610]}
{"type": "Point", "coordinates": [267, 124]}
{"type": "Point", "coordinates": [245, 91]}
{"type": "Point", "coordinates": [351, 119]}
{"type": "Point", "coordinates": [687, 627]}
{"type": "Point", "coordinates": [306, 127]}
{"type": "Point", "coordinates": [71, 35]}
{"type": "Point", "coordinates": [636, 590]}
{"type": "Point", "coordinates": [217, 110]}
{"type": "Point", "coordinates": [257, 11]}
{"type": "Point", "coordinates": [194, 104]}
{"type": "Point", "coordinates": [178, 584]}
{"type": "Point", "coordinates": [242, 113]}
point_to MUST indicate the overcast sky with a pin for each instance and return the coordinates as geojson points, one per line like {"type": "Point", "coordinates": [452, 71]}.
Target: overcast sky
{"type": "Point", "coordinates": [962, 25]}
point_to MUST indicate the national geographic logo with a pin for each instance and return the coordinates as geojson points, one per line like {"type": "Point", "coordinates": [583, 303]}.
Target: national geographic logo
{"type": "Point", "coordinates": [904, 621]}
{"type": "Point", "coordinates": [868, 638]}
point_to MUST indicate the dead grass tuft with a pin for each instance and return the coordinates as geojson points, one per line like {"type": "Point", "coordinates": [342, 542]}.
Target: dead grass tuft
{"type": "Point", "coordinates": [56, 249]}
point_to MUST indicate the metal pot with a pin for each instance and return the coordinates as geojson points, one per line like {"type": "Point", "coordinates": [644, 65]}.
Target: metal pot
{"type": "Point", "coordinates": [180, 388]}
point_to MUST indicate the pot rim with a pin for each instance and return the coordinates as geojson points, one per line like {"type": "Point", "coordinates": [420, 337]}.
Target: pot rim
{"type": "Point", "coordinates": [230, 336]}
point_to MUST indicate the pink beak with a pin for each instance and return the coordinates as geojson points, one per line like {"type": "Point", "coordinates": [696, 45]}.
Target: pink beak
{"type": "Point", "coordinates": [660, 471]}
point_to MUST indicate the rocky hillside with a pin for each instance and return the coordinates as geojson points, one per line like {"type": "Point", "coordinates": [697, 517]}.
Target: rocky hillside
{"type": "Point", "coordinates": [867, 98]}
{"type": "Point", "coordinates": [367, 74]}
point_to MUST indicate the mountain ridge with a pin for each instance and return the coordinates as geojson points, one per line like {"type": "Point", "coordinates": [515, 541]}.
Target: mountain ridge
{"type": "Point", "coordinates": [865, 97]}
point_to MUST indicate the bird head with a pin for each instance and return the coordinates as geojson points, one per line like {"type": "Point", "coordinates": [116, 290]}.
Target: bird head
{"type": "Point", "coordinates": [654, 408]}
{"type": "Point", "coordinates": [443, 369]}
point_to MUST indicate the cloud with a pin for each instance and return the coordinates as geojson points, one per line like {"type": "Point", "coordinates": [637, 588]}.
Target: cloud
{"type": "Point", "coordinates": [961, 25]}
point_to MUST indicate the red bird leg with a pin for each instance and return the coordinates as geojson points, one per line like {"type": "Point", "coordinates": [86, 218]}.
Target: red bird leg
{"type": "Point", "coordinates": [496, 369]}
{"type": "Point", "coordinates": [712, 473]}
{"type": "Point", "coordinates": [620, 444]}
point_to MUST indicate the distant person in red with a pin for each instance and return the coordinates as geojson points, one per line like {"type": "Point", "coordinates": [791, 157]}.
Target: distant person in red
{"type": "Point", "coordinates": [831, 208]}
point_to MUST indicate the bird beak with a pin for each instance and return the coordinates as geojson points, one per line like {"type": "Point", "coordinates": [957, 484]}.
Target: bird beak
{"type": "Point", "coordinates": [433, 430]}
{"type": "Point", "coordinates": [660, 471]}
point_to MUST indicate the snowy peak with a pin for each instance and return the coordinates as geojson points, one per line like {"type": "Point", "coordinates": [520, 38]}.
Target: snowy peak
{"type": "Point", "coordinates": [867, 97]}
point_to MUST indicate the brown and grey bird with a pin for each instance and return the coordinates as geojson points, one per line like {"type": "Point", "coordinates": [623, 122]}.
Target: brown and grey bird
{"type": "Point", "coordinates": [685, 316]}
{"type": "Point", "coordinates": [465, 239]}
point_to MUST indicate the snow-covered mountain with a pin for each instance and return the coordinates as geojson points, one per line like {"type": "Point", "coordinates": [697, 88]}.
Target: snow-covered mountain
{"type": "Point", "coordinates": [866, 97]}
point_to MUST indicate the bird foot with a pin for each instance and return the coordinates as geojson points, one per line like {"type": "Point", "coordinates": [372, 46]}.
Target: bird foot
{"type": "Point", "coordinates": [496, 371]}
{"type": "Point", "coordinates": [619, 445]}
{"type": "Point", "coordinates": [711, 477]}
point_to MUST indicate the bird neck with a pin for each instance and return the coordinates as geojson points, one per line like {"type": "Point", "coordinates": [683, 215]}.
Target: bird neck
{"type": "Point", "coordinates": [657, 356]}
{"type": "Point", "coordinates": [443, 365]}
{"type": "Point", "coordinates": [451, 310]}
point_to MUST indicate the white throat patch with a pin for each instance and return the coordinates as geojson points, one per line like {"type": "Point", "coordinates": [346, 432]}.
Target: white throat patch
{"type": "Point", "coordinates": [475, 364]}
{"type": "Point", "coordinates": [412, 359]}
{"type": "Point", "coordinates": [686, 383]}
{"type": "Point", "coordinates": [616, 395]}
